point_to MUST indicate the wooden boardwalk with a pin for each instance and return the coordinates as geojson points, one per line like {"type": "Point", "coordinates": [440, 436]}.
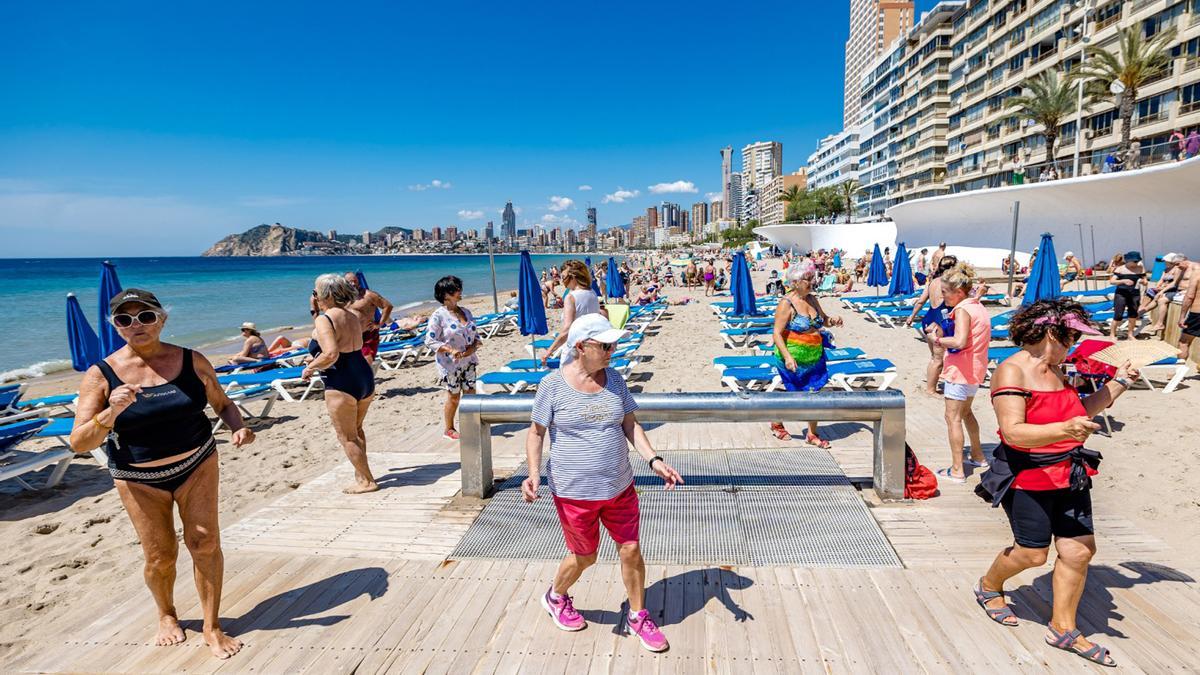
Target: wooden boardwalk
{"type": "Point", "coordinates": [318, 582]}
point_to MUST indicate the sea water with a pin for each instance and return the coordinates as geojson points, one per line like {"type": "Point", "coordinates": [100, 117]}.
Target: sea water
{"type": "Point", "coordinates": [209, 298]}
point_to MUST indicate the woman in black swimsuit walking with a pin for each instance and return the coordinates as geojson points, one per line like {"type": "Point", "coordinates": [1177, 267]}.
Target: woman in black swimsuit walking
{"type": "Point", "coordinates": [1127, 296]}
{"type": "Point", "coordinates": [145, 403]}
{"type": "Point", "coordinates": [349, 382]}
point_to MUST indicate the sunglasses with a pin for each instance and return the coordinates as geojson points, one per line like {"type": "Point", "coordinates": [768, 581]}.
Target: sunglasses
{"type": "Point", "coordinates": [145, 318]}
{"type": "Point", "coordinates": [606, 346]}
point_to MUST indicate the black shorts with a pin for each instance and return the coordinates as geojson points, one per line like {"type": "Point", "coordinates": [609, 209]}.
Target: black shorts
{"type": "Point", "coordinates": [1125, 306]}
{"type": "Point", "coordinates": [1192, 325]}
{"type": "Point", "coordinates": [1036, 516]}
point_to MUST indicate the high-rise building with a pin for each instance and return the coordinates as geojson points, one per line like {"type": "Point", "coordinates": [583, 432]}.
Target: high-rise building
{"type": "Point", "coordinates": [726, 174]}
{"type": "Point", "coordinates": [451, 233]}
{"type": "Point", "coordinates": [591, 222]}
{"type": "Point", "coordinates": [651, 219]}
{"type": "Point", "coordinates": [734, 205]}
{"type": "Point", "coordinates": [489, 232]}
{"type": "Point", "coordinates": [366, 238]}
{"type": "Point", "coordinates": [699, 217]}
{"type": "Point", "coordinates": [716, 210]}
{"type": "Point", "coordinates": [638, 230]}
{"type": "Point", "coordinates": [874, 24]}
{"type": "Point", "coordinates": [761, 162]}
{"type": "Point", "coordinates": [508, 221]}
{"type": "Point", "coordinates": [437, 233]}
{"type": "Point", "coordinates": [835, 159]}
{"type": "Point", "coordinates": [332, 235]}
{"type": "Point", "coordinates": [683, 222]}
{"type": "Point", "coordinates": [771, 205]}
{"type": "Point", "coordinates": [668, 215]}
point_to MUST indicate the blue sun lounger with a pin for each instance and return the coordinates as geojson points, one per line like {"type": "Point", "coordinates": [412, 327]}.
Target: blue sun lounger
{"type": "Point", "coordinates": [282, 359]}
{"type": "Point", "coordinates": [15, 462]}
{"type": "Point", "coordinates": [280, 379]}
{"type": "Point", "coordinates": [845, 374]}
{"type": "Point", "coordinates": [832, 355]}
{"type": "Point", "coordinates": [736, 338]}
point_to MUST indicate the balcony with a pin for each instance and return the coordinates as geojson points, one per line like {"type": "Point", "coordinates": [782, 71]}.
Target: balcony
{"type": "Point", "coordinates": [1189, 107]}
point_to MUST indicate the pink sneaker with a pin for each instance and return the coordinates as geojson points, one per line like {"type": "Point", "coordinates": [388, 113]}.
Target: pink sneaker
{"type": "Point", "coordinates": [563, 612]}
{"type": "Point", "coordinates": [642, 626]}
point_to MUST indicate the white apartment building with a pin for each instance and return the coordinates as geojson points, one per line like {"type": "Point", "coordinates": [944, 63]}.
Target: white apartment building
{"type": "Point", "coordinates": [874, 24]}
{"type": "Point", "coordinates": [734, 210]}
{"type": "Point", "coordinates": [1000, 44]}
{"type": "Point", "coordinates": [835, 160]}
{"type": "Point", "coordinates": [905, 100]}
{"type": "Point", "coordinates": [761, 162]}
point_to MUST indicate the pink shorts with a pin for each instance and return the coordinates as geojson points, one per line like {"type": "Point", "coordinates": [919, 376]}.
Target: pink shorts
{"type": "Point", "coordinates": [581, 518]}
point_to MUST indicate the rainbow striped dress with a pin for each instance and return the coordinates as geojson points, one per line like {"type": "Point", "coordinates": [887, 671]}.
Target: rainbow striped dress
{"type": "Point", "coordinates": [806, 342]}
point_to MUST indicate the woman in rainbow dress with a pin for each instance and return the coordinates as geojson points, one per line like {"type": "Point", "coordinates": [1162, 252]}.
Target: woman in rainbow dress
{"type": "Point", "coordinates": [800, 342]}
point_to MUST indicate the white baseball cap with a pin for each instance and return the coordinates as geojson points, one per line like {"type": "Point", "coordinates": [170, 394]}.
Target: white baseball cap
{"type": "Point", "coordinates": [1068, 254]}
{"type": "Point", "coordinates": [592, 327]}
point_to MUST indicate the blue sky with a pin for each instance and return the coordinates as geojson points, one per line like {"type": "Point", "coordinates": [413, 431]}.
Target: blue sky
{"type": "Point", "coordinates": [155, 129]}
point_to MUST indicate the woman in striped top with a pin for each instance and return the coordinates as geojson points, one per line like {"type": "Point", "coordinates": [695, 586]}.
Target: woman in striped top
{"type": "Point", "coordinates": [588, 411]}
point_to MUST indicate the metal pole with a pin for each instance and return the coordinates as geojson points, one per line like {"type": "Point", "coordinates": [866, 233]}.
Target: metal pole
{"type": "Point", "coordinates": [1142, 237]}
{"type": "Point", "coordinates": [884, 409]}
{"type": "Point", "coordinates": [1087, 14]}
{"type": "Point", "coordinates": [1079, 226]}
{"type": "Point", "coordinates": [1012, 251]}
{"type": "Point", "coordinates": [1093, 228]}
{"type": "Point", "coordinates": [492, 261]}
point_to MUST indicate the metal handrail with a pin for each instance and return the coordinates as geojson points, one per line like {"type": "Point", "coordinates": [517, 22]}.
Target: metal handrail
{"type": "Point", "coordinates": [884, 409]}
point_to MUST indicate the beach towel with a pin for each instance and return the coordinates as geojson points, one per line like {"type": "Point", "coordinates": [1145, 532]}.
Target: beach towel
{"type": "Point", "coordinates": [618, 314]}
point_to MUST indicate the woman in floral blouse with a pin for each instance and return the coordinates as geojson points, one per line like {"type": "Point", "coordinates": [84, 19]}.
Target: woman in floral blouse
{"type": "Point", "coordinates": [453, 339]}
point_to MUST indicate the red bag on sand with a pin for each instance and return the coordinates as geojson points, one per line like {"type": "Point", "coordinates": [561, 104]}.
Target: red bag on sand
{"type": "Point", "coordinates": [919, 481]}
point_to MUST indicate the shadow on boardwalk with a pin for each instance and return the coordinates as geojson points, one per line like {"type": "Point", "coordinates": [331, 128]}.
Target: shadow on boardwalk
{"type": "Point", "coordinates": [300, 606]}
{"type": "Point", "coordinates": [701, 584]}
{"type": "Point", "coordinates": [1098, 608]}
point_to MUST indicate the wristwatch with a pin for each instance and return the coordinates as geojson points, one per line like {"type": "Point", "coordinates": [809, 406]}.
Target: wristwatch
{"type": "Point", "coordinates": [654, 459]}
{"type": "Point", "coordinates": [1123, 382]}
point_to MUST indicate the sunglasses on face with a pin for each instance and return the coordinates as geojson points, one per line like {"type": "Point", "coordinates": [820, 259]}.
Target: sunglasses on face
{"type": "Point", "coordinates": [605, 346]}
{"type": "Point", "coordinates": [145, 318]}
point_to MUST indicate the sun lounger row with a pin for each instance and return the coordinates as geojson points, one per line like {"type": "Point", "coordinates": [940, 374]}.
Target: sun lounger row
{"type": "Point", "coordinates": [848, 375]}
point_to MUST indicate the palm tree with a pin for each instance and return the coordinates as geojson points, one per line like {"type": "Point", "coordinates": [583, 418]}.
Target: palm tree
{"type": "Point", "coordinates": [1136, 63]}
{"type": "Point", "coordinates": [1047, 100]}
{"type": "Point", "coordinates": [847, 189]}
{"type": "Point", "coordinates": [792, 197]}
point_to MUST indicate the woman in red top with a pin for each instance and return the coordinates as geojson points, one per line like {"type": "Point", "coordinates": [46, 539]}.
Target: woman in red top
{"type": "Point", "coordinates": [1042, 418]}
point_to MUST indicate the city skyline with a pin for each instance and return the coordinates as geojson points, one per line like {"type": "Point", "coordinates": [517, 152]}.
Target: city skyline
{"type": "Point", "coordinates": [129, 132]}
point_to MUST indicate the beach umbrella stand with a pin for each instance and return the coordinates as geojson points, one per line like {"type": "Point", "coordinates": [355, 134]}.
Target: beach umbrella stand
{"type": "Point", "coordinates": [110, 286]}
{"type": "Point", "coordinates": [1043, 282]}
{"type": "Point", "coordinates": [902, 277]}
{"type": "Point", "coordinates": [82, 340]}
{"type": "Point", "coordinates": [877, 274]}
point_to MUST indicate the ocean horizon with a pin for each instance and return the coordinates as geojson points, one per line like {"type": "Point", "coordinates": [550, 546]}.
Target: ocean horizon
{"type": "Point", "coordinates": [208, 298]}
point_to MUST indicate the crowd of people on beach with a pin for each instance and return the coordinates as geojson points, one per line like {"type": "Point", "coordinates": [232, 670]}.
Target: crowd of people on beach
{"type": "Point", "coordinates": [146, 402]}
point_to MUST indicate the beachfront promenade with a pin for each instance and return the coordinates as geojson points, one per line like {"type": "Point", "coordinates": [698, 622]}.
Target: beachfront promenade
{"type": "Point", "coordinates": [320, 582]}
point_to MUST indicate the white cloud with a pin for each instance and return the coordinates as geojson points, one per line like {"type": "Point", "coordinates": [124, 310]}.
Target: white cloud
{"type": "Point", "coordinates": [714, 196]}
{"type": "Point", "coordinates": [433, 184]}
{"type": "Point", "coordinates": [585, 188]}
{"type": "Point", "coordinates": [620, 196]}
{"type": "Point", "coordinates": [560, 203]}
{"type": "Point", "coordinates": [467, 214]}
{"type": "Point", "coordinates": [271, 201]}
{"type": "Point", "coordinates": [551, 219]}
{"type": "Point", "coordinates": [677, 186]}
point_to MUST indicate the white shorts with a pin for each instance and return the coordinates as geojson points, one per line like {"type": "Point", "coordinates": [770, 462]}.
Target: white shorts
{"type": "Point", "coordinates": [959, 392]}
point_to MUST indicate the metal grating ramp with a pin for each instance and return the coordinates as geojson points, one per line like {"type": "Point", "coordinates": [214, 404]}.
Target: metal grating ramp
{"type": "Point", "coordinates": [739, 507]}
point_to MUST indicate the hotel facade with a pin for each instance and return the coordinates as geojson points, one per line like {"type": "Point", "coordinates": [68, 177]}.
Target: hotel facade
{"type": "Point", "coordinates": [932, 117]}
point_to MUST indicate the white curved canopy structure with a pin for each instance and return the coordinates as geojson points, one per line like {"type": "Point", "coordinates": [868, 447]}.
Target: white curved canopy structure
{"type": "Point", "coordinates": [1166, 197]}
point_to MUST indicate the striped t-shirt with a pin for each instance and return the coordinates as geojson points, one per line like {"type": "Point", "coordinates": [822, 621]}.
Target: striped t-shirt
{"type": "Point", "coordinates": [589, 455]}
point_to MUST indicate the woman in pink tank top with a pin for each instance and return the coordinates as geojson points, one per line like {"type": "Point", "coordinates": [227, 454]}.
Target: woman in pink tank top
{"type": "Point", "coordinates": [964, 368]}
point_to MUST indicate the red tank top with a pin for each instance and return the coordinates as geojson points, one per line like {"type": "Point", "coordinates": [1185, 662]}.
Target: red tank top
{"type": "Point", "coordinates": [1047, 407]}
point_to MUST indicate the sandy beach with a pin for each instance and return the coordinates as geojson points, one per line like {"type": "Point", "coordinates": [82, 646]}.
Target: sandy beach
{"type": "Point", "coordinates": [63, 546]}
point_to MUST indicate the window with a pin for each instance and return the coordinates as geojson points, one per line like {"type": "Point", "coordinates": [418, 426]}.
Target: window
{"type": "Point", "coordinates": [1102, 124]}
{"type": "Point", "coordinates": [1190, 98]}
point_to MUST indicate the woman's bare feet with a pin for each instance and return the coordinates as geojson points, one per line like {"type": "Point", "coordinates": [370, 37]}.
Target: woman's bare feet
{"type": "Point", "coordinates": [361, 488]}
{"type": "Point", "coordinates": [170, 633]}
{"type": "Point", "coordinates": [222, 645]}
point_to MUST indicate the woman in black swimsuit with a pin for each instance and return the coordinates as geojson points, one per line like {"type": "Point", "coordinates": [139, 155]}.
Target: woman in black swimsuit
{"type": "Point", "coordinates": [145, 403]}
{"type": "Point", "coordinates": [349, 382]}
{"type": "Point", "coordinates": [1127, 296]}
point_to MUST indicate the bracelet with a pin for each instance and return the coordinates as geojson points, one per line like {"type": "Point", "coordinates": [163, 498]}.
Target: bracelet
{"type": "Point", "coordinates": [97, 422]}
{"type": "Point", "coordinates": [1123, 382]}
{"type": "Point", "coordinates": [654, 459]}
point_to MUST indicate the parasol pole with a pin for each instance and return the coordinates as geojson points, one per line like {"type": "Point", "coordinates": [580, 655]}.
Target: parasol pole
{"type": "Point", "coordinates": [1012, 251]}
